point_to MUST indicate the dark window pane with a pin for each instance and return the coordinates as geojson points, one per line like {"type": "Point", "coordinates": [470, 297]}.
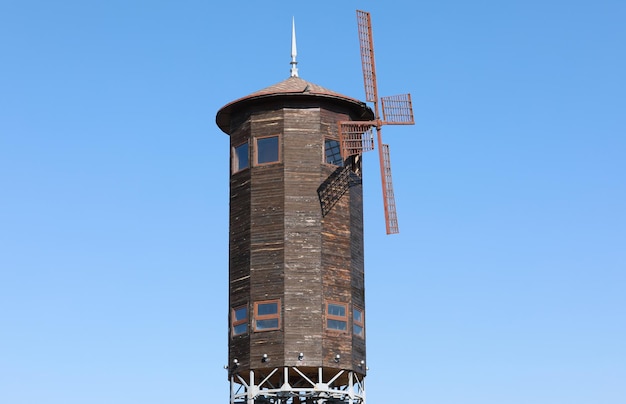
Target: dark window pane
{"type": "Point", "coordinates": [333, 154]}
{"type": "Point", "coordinates": [358, 330]}
{"type": "Point", "coordinates": [267, 149]}
{"type": "Point", "coordinates": [241, 328]}
{"type": "Point", "coordinates": [358, 316]}
{"type": "Point", "coordinates": [336, 324]}
{"type": "Point", "coordinates": [337, 310]}
{"type": "Point", "coordinates": [241, 157]}
{"type": "Point", "coordinates": [264, 309]}
{"type": "Point", "coordinates": [241, 313]}
{"type": "Point", "coordinates": [267, 324]}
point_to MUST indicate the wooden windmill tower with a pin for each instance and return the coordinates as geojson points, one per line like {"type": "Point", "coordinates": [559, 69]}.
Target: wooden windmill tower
{"type": "Point", "coordinates": [296, 262]}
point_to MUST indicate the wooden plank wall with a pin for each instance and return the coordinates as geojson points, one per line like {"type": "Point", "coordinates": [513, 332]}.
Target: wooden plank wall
{"type": "Point", "coordinates": [267, 238]}
{"type": "Point", "coordinates": [303, 286]}
{"type": "Point", "coordinates": [239, 243]}
{"type": "Point", "coordinates": [282, 248]}
{"type": "Point", "coordinates": [357, 266]}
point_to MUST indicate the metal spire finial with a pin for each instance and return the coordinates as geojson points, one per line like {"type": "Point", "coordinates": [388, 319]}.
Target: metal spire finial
{"type": "Point", "coordinates": [294, 69]}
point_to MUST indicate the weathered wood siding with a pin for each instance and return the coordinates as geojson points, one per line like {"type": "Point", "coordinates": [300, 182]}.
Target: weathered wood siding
{"type": "Point", "coordinates": [357, 268]}
{"type": "Point", "coordinates": [239, 242]}
{"type": "Point", "coordinates": [282, 248]}
{"type": "Point", "coordinates": [303, 286]}
{"type": "Point", "coordinates": [267, 239]}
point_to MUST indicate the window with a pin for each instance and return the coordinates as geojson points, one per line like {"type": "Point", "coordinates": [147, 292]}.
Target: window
{"type": "Point", "coordinates": [336, 317]}
{"type": "Point", "coordinates": [358, 322]}
{"type": "Point", "coordinates": [267, 315]}
{"type": "Point", "coordinates": [239, 320]}
{"type": "Point", "coordinates": [267, 150]}
{"type": "Point", "coordinates": [240, 157]}
{"type": "Point", "coordinates": [332, 152]}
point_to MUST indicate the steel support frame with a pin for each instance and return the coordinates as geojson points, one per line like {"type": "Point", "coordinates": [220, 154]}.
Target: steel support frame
{"type": "Point", "coordinates": [257, 388]}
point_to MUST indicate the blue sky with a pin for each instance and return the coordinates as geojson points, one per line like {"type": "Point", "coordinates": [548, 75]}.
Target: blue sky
{"type": "Point", "coordinates": [505, 285]}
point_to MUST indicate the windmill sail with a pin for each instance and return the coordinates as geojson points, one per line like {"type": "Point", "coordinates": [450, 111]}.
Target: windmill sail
{"type": "Point", "coordinates": [391, 218]}
{"type": "Point", "coordinates": [397, 110]}
{"type": "Point", "coordinates": [366, 41]}
{"type": "Point", "coordinates": [355, 138]}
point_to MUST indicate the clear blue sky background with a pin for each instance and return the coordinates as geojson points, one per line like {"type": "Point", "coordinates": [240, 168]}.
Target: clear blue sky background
{"type": "Point", "coordinates": [506, 284]}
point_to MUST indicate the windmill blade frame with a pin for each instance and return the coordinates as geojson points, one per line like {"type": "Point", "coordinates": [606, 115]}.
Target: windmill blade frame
{"type": "Point", "coordinates": [389, 200]}
{"type": "Point", "coordinates": [397, 110]}
{"type": "Point", "coordinates": [355, 137]}
{"type": "Point", "coordinates": [391, 216]}
{"type": "Point", "coordinates": [366, 41]}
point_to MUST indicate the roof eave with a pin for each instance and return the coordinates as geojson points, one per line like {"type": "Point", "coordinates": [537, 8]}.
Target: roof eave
{"type": "Point", "coordinates": [223, 115]}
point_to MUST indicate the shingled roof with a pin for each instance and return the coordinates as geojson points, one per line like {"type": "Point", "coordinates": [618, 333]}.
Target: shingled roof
{"type": "Point", "coordinates": [297, 85]}
{"type": "Point", "coordinates": [292, 86]}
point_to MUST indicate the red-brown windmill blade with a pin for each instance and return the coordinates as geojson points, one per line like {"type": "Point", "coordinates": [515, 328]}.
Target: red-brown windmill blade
{"type": "Point", "coordinates": [397, 110]}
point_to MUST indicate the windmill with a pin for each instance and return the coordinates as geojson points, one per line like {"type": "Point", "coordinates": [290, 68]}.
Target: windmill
{"type": "Point", "coordinates": [357, 137]}
{"type": "Point", "coordinates": [297, 328]}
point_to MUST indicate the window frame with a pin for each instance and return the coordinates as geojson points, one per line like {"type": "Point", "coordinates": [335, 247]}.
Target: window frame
{"type": "Point", "coordinates": [335, 317]}
{"type": "Point", "coordinates": [235, 157]}
{"type": "Point", "coordinates": [256, 150]}
{"type": "Point", "coordinates": [258, 317]}
{"type": "Point", "coordinates": [234, 322]}
{"type": "Point", "coordinates": [356, 323]}
{"type": "Point", "coordinates": [325, 156]}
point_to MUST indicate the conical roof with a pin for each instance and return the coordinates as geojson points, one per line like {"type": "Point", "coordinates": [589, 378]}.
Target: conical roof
{"type": "Point", "coordinates": [296, 85]}
{"type": "Point", "coordinates": [291, 87]}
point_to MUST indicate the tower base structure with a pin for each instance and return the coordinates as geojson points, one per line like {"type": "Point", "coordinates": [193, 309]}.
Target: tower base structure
{"type": "Point", "coordinates": [290, 385]}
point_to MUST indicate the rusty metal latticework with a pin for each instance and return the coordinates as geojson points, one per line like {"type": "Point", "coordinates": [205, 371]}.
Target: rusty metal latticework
{"type": "Point", "coordinates": [355, 138]}
{"type": "Point", "coordinates": [397, 110]}
{"type": "Point", "coordinates": [366, 41]}
{"type": "Point", "coordinates": [390, 205]}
